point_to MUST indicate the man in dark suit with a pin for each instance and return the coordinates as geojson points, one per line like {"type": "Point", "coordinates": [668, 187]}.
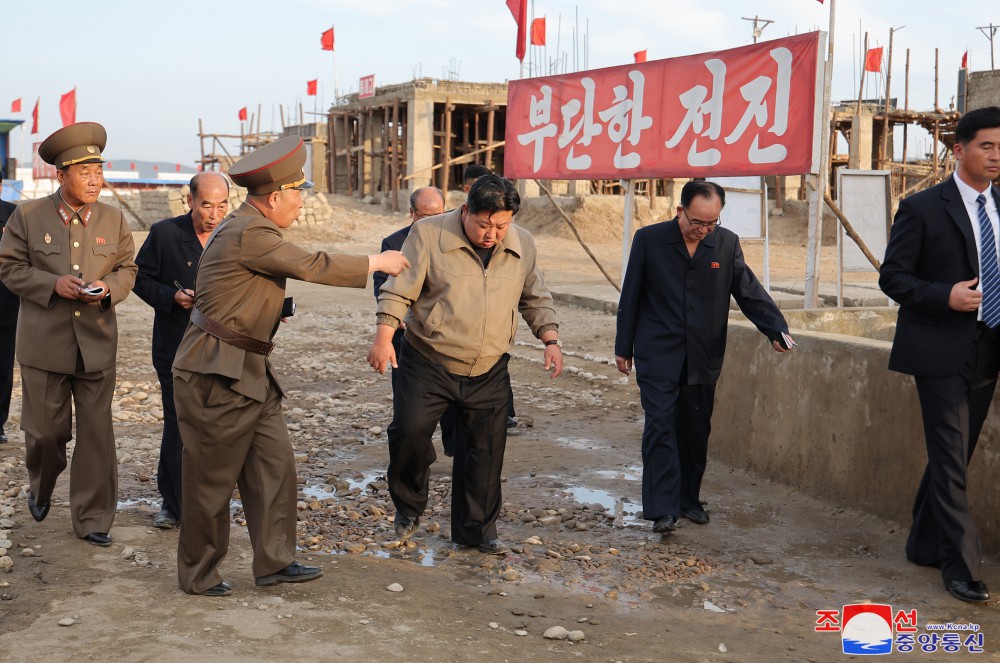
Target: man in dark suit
{"type": "Point", "coordinates": [169, 257]}
{"type": "Point", "coordinates": [9, 304]}
{"type": "Point", "coordinates": [672, 320]}
{"type": "Point", "coordinates": [941, 267]}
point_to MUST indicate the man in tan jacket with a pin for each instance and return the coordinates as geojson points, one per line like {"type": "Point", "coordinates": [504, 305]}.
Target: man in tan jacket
{"type": "Point", "coordinates": [473, 272]}
{"type": "Point", "coordinates": [69, 259]}
{"type": "Point", "coordinates": [227, 398]}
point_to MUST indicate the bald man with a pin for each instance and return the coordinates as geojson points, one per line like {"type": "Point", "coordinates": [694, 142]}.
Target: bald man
{"type": "Point", "coordinates": [168, 266]}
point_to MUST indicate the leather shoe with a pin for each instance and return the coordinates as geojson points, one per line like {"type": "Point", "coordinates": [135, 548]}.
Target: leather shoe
{"type": "Point", "coordinates": [665, 524]}
{"type": "Point", "coordinates": [511, 422]}
{"type": "Point", "coordinates": [492, 547]}
{"type": "Point", "coordinates": [294, 572]}
{"type": "Point", "coordinates": [165, 520]}
{"type": "Point", "coordinates": [970, 591]}
{"type": "Point", "coordinates": [38, 511]}
{"type": "Point", "coordinates": [405, 526]}
{"type": "Point", "coordinates": [222, 589]}
{"type": "Point", "coordinates": [697, 516]}
{"type": "Point", "coordinates": [98, 539]}
{"type": "Point", "coordinates": [3, 437]}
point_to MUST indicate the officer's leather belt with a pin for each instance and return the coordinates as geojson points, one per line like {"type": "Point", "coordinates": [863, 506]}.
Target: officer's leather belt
{"type": "Point", "coordinates": [227, 335]}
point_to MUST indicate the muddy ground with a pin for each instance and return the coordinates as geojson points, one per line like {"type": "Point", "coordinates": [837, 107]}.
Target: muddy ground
{"type": "Point", "coordinates": [745, 587]}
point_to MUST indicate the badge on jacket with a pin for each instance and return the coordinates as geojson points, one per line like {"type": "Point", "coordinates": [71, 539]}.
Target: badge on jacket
{"type": "Point", "coordinates": [715, 265]}
{"type": "Point", "coordinates": [100, 240]}
{"type": "Point", "coordinates": [47, 238]}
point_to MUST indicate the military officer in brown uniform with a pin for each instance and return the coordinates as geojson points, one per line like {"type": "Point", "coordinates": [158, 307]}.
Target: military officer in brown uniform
{"type": "Point", "coordinates": [69, 259]}
{"type": "Point", "coordinates": [228, 401]}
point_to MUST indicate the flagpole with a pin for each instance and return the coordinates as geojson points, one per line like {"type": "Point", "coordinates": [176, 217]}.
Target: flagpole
{"type": "Point", "coordinates": [333, 52]}
{"type": "Point", "coordinates": [814, 238]}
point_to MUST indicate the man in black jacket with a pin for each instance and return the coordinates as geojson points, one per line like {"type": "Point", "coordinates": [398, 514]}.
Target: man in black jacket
{"type": "Point", "coordinates": [672, 320]}
{"type": "Point", "coordinates": [941, 267]}
{"type": "Point", "coordinates": [168, 265]}
{"type": "Point", "coordinates": [9, 305]}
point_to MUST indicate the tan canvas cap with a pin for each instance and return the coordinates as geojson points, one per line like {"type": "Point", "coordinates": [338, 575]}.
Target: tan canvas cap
{"type": "Point", "coordinates": [78, 143]}
{"type": "Point", "coordinates": [275, 167]}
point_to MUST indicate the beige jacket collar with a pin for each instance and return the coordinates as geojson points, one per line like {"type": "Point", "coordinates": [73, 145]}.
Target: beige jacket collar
{"type": "Point", "coordinates": [453, 236]}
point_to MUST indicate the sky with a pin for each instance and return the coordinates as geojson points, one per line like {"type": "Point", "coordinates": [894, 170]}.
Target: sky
{"type": "Point", "coordinates": [149, 70]}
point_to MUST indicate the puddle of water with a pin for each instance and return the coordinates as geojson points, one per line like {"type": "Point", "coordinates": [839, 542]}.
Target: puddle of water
{"type": "Point", "coordinates": [326, 491]}
{"type": "Point", "coordinates": [623, 510]}
{"type": "Point", "coordinates": [580, 443]}
{"type": "Point", "coordinates": [627, 474]}
{"type": "Point", "coordinates": [142, 501]}
{"type": "Point", "coordinates": [423, 556]}
{"type": "Point", "coordinates": [320, 492]}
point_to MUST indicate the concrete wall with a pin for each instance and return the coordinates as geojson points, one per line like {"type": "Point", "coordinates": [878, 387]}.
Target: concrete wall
{"type": "Point", "coordinates": [984, 89]}
{"type": "Point", "coordinates": [832, 421]}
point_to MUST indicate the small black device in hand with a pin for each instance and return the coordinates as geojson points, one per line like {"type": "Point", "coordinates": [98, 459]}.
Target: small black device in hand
{"type": "Point", "coordinates": [288, 308]}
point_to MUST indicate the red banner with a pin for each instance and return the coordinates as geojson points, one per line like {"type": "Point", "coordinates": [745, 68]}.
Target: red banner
{"type": "Point", "coordinates": [366, 86]}
{"type": "Point", "coordinates": [744, 111]}
{"type": "Point", "coordinates": [326, 40]}
{"type": "Point", "coordinates": [538, 32]}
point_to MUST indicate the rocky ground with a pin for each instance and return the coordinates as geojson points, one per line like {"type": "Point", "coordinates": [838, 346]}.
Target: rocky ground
{"type": "Point", "coordinates": [585, 580]}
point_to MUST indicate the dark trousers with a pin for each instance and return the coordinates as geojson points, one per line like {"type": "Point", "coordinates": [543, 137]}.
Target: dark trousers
{"type": "Point", "coordinates": [424, 390]}
{"type": "Point", "coordinates": [954, 409]}
{"type": "Point", "coordinates": [7, 335]}
{"type": "Point", "coordinates": [674, 444]}
{"type": "Point", "coordinates": [450, 428]}
{"type": "Point", "coordinates": [168, 472]}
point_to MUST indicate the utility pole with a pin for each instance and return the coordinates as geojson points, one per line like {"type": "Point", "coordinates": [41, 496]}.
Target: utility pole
{"type": "Point", "coordinates": [886, 158]}
{"type": "Point", "coordinates": [758, 25]}
{"type": "Point", "coordinates": [992, 33]}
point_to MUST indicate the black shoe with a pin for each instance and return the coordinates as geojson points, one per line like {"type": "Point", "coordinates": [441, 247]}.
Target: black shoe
{"type": "Point", "coordinates": [492, 547]}
{"type": "Point", "coordinates": [3, 437]}
{"type": "Point", "coordinates": [698, 516]}
{"type": "Point", "coordinates": [98, 539]}
{"type": "Point", "coordinates": [165, 520]}
{"type": "Point", "coordinates": [222, 589]}
{"type": "Point", "coordinates": [511, 422]}
{"type": "Point", "coordinates": [294, 572]}
{"type": "Point", "coordinates": [665, 524]}
{"type": "Point", "coordinates": [970, 591]}
{"type": "Point", "coordinates": [38, 511]}
{"type": "Point", "coordinates": [405, 526]}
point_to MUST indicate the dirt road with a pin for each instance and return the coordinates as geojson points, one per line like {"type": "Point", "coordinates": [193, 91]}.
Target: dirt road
{"type": "Point", "coordinates": [745, 587]}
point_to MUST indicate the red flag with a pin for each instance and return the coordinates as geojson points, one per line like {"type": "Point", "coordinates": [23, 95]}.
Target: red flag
{"type": "Point", "coordinates": [107, 164]}
{"type": "Point", "coordinates": [820, 1]}
{"type": "Point", "coordinates": [34, 117]}
{"type": "Point", "coordinates": [538, 32]}
{"type": "Point", "coordinates": [67, 107]}
{"type": "Point", "coordinates": [15, 106]}
{"type": "Point", "coordinates": [243, 114]}
{"type": "Point", "coordinates": [873, 59]}
{"type": "Point", "coordinates": [965, 65]}
{"type": "Point", "coordinates": [178, 168]}
{"type": "Point", "coordinates": [326, 41]}
{"type": "Point", "coordinates": [311, 87]}
{"type": "Point", "coordinates": [132, 166]}
{"type": "Point", "coordinates": [640, 56]}
{"type": "Point", "coordinates": [519, 9]}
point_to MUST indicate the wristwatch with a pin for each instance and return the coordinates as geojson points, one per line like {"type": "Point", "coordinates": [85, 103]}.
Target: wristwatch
{"type": "Point", "coordinates": [556, 342]}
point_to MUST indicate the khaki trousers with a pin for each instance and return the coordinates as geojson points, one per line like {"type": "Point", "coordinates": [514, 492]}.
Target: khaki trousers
{"type": "Point", "coordinates": [46, 419]}
{"type": "Point", "coordinates": [229, 440]}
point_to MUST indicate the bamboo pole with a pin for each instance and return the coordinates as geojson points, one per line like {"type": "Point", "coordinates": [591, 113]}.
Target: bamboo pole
{"type": "Point", "coordinates": [572, 226]}
{"type": "Point", "coordinates": [446, 146]}
{"type": "Point", "coordinates": [394, 163]}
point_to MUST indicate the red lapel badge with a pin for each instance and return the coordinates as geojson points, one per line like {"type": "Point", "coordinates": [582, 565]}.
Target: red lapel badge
{"type": "Point", "coordinates": [715, 265]}
{"type": "Point", "coordinates": [100, 240]}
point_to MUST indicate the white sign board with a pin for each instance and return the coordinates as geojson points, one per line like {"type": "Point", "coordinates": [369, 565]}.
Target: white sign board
{"type": "Point", "coordinates": [865, 199]}
{"type": "Point", "coordinates": [742, 213]}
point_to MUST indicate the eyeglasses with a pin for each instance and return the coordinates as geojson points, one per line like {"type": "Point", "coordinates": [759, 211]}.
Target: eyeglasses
{"type": "Point", "coordinates": [702, 224]}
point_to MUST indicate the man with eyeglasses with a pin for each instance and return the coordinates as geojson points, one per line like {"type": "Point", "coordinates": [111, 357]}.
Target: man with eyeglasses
{"type": "Point", "coordinates": [672, 320]}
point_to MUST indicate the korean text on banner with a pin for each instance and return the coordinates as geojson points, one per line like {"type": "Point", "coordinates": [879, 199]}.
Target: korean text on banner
{"type": "Point", "coordinates": [743, 111]}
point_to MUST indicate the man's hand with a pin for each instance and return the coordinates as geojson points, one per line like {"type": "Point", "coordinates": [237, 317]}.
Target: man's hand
{"type": "Point", "coordinates": [963, 298]}
{"type": "Point", "coordinates": [381, 351]}
{"type": "Point", "coordinates": [390, 262]}
{"type": "Point", "coordinates": [94, 298]}
{"type": "Point", "coordinates": [553, 358]}
{"type": "Point", "coordinates": [624, 364]}
{"type": "Point", "coordinates": [184, 298]}
{"type": "Point", "coordinates": [68, 287]}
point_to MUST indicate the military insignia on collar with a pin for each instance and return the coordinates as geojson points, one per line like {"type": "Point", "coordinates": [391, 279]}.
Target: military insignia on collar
{"type": "Point", "coordinates": [86, 216]}
{"type": "Point", "coordinates": [47, 238]}
{"type": "Point", "coordinates": [63, 214]}
{"type": "Point", "coordinates": [100, 240]}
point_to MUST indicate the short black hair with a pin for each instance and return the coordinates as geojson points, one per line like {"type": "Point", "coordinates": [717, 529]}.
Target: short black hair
{"type": "Point", "coordinates": [473, 172]}
{"type": "Point", "coordinates": [973, 121]}
{"type": "Point", "coordinates": [416, 194]}
{"type": "Point", "coordinates": [492, 193]}
{"type": "Point", "coordinates": [702, 188]}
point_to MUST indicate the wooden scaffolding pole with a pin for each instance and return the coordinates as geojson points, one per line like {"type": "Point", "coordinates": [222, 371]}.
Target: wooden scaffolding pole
{"type": "Point", "coordinates": [446, 146]}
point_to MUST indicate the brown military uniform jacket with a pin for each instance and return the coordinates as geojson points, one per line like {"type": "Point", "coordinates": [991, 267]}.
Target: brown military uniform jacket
{"type": "Point", "coordinates": [45, 240]}
{"type": "Point", "coordinates": [241, 284]}
{"type": "Point", "coordinates": [457, 314]}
